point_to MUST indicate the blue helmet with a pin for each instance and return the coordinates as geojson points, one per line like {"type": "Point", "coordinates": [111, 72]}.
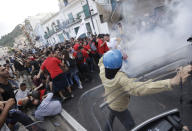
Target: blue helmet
{"type": "Point", "coordinates": [112, 59]}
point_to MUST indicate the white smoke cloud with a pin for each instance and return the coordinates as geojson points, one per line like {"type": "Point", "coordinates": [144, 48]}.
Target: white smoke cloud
{"type": "Point", "coordinates": [148, 40]}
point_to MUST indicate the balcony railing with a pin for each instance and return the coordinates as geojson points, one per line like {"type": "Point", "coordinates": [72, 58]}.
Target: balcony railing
{"type": "Point", "coordinates": [61, 27]}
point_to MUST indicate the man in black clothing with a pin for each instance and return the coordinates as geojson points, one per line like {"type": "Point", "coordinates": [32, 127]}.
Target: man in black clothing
{"type": "Point", "coordinates": [6, 90]}
{"type": "Point", "coordinates": [19, 66]}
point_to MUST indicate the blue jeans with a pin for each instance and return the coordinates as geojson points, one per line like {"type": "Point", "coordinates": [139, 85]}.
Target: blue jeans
{"type": "Point", "coordinates": [76, 78]}
{"type": "Point", "coordinates": [15, 116]}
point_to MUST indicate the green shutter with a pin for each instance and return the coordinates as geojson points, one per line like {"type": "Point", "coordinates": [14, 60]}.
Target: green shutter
{"type": "Point", "coordinates": [86, 11]}
{"type": "Point", "coordinates": [61, 37]}
{"type": "Point", "coordinates": [76, 30]}
{"type": "Point", "coordinates": [71, 19]}
{"type": "Point", "coordinates": [88, 26]}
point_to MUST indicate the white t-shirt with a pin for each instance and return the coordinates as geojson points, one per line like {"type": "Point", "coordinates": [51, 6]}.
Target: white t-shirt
{"type": "Point", "coordinates": [112, 43]}
{"type": "Point", "coordinates": [4, 128]}
{"type": "Point", "coordinates": [21, 94]}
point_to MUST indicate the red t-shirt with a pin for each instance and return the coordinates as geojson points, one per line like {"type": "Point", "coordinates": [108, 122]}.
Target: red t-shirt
{"type": "Point", "coordinates": [103, 49]}
{"type": "Point", "coordinates": [52, 65]}
{"type": "Point", "coordinates": [76, 46]}
{"type": "Point", "coordinates": [85, 54]}
{"type": "Point", "coordinates": [86, 47]}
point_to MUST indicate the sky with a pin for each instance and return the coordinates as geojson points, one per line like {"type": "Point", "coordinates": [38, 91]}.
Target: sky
{"type": "Point", "coordinates": [14, 12]}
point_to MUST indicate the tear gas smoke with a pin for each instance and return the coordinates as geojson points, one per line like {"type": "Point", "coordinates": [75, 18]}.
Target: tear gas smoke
{"type": "Point", "coordinates": [150, 34]}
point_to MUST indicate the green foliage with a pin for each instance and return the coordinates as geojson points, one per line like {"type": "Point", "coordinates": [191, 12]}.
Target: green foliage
{"type": "Point", "coordinates": [8, 40]}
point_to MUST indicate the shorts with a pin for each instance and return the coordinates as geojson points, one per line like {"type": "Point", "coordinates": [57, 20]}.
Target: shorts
{"type": "Point", "coordinates": [60, 83]}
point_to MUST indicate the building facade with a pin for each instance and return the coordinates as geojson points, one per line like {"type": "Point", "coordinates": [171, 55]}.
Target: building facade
{"type": "Point", "coordinates": [67, 22]}
{"type": "Point", "coordinates": [33, 29]}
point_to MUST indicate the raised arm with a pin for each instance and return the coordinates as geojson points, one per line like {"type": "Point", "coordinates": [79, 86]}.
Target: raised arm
{"type": "Point", "coordinates": [5, 110]}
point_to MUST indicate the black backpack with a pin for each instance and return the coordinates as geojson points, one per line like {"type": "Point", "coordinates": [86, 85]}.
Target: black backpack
{"type": "Point", "coordinates": [80, 57]}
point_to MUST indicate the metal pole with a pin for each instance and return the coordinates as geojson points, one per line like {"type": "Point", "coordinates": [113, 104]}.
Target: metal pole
{"type": "Point", "coordinates": [91, 17]}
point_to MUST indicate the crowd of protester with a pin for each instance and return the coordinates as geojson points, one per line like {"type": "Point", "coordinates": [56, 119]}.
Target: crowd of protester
{"type": "Point", "coordinates": [45, 78]}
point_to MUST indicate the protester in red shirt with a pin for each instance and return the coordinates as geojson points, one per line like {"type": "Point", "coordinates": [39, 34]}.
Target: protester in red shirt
{"type": "Point", "coordinates": [76, 46]}
{"type": "Point", "coordinates": [52, 65]}
{"type": "Point", "coordinates": [91, 48]}
{"type": "Point", "coordinates": [102, 45]}
{"type": "Point", "coordinates": [81, 57]}
{"type": "Point", "coordinates": [83, 52]}
{"type": "Point", "coordinates": [86, 46]}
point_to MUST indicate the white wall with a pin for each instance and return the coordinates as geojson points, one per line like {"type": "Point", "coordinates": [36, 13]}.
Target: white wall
{"type": "Point", "coordinates": [39, 31]}
{"type": "Point", "coordinates": [74, 7]}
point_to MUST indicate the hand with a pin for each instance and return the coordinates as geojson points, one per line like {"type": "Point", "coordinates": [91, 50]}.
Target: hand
{"type": "Point", "coordinates": [2, 90]}
{"type": "Point", "coordinates": [44, 96]}
{"type": "Point", "coordinates": [37, 76]}
{"type": "Point", "coordinates": [185, 128]}
{"type": "Point", "coordinates": [125, 56]}
{"type": "Point", "coordinates": [10, 103]}
{"type": "Point", "coordinates": [182, 74]}
{"type": "Point", "coordinates": [2, 104]}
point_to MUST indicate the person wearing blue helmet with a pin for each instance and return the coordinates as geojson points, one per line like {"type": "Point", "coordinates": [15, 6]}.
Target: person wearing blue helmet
{"type": "Point", "coordinates": [112, 79]}
{"type": "Point", "coordinates": [112, 62]}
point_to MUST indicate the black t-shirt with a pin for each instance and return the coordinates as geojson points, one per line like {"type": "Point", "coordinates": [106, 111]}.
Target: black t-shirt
{"type": "Point", "coordinates": [72, 63]}
{"type": "Point", "coordinates": [8, 91]}
{"type": "Point", "coordinates": [18, 66]}
{"type": "Point", "coordinates": [35, 64]}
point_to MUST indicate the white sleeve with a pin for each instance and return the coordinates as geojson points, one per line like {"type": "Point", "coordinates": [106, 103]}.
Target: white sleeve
{"type": "Point", "coordinates": [49, 97]}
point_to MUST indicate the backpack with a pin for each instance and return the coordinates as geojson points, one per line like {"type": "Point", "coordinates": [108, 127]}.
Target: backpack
{"type": "Point", "coordinates": [93, 47]}
{"type": "Point", "coordinates": [80, 57]}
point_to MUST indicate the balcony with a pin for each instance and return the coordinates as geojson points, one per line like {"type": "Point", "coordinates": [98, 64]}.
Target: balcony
{"type": "Point", "coordinates": [62, 26]}
{"type": "Point", "coordinates": [50, 33]}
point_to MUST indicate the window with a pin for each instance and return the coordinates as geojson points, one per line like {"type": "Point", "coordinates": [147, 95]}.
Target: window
{"type": "Point", "coordinates": [86, 11]}
{"type": "Point", "coordinates": [58, 22]}
{"type": "Point", "coordinates": [53, 26]}
{"type": "Point", "coordinates": [65, 2]}
{"type": "Point", "coordinates": [47, 29]}
{"type": "Point", "coordinates": [79, 15]}
{"type": "Point", "coordinates": [76, 30]}
{"type": "Point", "coordinates": [61, 37]}
{"type": "Point", "coordinates": [71, 19]}
{"type": "Point", "coordinates": [88, 26]}
{"type": "Point", "coordinates": [101, 18]}
{"type": "Point", "coordinates": [113, 3]}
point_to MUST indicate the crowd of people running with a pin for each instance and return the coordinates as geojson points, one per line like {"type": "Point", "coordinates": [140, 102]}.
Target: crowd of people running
{"type": "Point", "coordinates": [45, 78]}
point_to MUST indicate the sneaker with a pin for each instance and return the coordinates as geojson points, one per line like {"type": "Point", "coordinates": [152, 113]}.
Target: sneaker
{"type": "Point", "coordinates": [63, 99]}
{"type": "Point", "coordinates": [80, 86]}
